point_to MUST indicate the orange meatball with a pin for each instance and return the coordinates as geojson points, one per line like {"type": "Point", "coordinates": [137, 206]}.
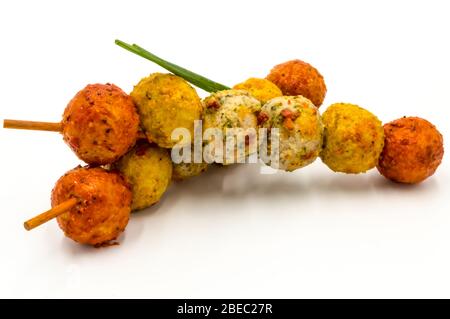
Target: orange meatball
{"type": "Point", "coordinates": [296, 77]}
{"type": "Point", "coordinates": [100, 123]}
{"type": "Point", "coordinates": [413, 149]}
{"type": "Point", "coordinates": [103, 208]}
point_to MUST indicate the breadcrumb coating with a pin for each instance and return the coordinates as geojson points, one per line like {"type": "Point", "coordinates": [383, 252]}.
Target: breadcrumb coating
{"type": "Point", "coordinates": [413, 150]}
{"type": "Point", "coordinates": [166, 102]}
{"type": "Point", "coordinates": [100, 124]}
{"type": "Point", "coordinates": [232, 109]}
{"type": "Point", "coordinates": [353, 139]}
{"type": "Point", "coordinates": [103, 209]}
{"type": "Point", "coordinates": [300, 130]}
{"type": "Point", "coordinates": [148, 169]}
{"type": "Point", "coordinates": [262, 89]}
{"type": "Point", "coordinates": [296, 77]}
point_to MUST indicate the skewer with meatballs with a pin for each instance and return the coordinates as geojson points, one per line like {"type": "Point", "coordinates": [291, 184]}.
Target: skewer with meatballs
{"type": "Point", "coordinates": [92, 205]}
{"type": "Point", "coordinates": [407, 150]}
{"type": "Point", "coordinates": [102, 123]}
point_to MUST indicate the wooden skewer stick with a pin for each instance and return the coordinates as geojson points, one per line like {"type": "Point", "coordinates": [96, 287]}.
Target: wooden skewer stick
{"type": "Point", "coordinates": [43, 126]}
{"type": "Point", "coordinates": [50, 214]}
{"type": "Point", "coordinates": [32, 125]}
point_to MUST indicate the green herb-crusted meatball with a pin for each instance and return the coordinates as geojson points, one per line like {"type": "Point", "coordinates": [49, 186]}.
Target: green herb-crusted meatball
{"type": "Point", "coordinates": [233, 109]}
{"type": "Point", "coordinates": [300, 130]}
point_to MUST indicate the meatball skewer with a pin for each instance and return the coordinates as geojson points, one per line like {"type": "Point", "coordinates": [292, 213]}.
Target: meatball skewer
{"type": "Point", "coordinates": [50, 214]}
{"type": "Point", "coordinates": [301, 137]}
{"type": "Point", "coordinates": [32, 125]}
{"type": "Point", "coordinates": [42, 126]}
{"type": "Point", "coordinates": [92, 205]}
{"type": "Point", "coordinates": [100, 124]}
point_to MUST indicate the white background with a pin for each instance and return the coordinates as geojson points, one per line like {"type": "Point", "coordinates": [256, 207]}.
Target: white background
{"type": "Point", "coordinates": [231, 232]}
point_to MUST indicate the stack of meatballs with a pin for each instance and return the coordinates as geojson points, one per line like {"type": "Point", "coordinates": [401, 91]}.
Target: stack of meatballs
{"type": "Point", "coordinates": [126, 140]}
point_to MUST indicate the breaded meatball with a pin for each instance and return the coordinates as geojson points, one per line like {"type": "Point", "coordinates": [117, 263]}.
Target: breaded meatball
{"type": "Point", "coordinates": [296, 77]}
{"type": "Point", "coordinates": [300, 130]}
{"type": "Point", "coordinates": [232, 109]}
{"type": "Point", "coordinates": [413, 149]}
{"type": "Point", "coordinates": [182, 171]}
{"type": "Point", "coordinates": [353, 138]}
{"type": "Point", "coordinates": [262, 89]}
{"type": "Point", "coordinates": [166, 102]}
{"type": "Point", "coordinates": [149, 171]}
{"type": "Point", "coordinates": [103, 209]}
{"type": "Point", "coordinates": [100, 123]}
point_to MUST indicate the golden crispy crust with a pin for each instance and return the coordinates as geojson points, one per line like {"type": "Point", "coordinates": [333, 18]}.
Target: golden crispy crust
{"type": "Point", "coordinates": [149, 171]}
{"type": "Point", "coordinates": [103, 209]}
{"type": "Point", "coordinates": [261, 89]}
{"type": "Point", "coordinates": [296, 77]}
{"type": "Point", "coordinates": [184, 171]}
{"type": "Point", "coordinates": [166, 102]}
{"type": "Point", "coordinates": [413, 149]}
{"type": "Point", "coordinates": [100, 123]}
{"type": "Point", "coordinates": [353, 138]}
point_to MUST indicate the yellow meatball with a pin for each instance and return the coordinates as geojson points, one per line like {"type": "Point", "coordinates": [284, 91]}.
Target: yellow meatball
{"type": "Point", "coordinates": [149, 171]}
{"type": "Point", "coordinates": [262, 89]}
{"type": "Point", "coordinates": [184, 171]}
{"type": "Point", "coordinates": [300, 130]}
{"type": "Point", "coordinates": [166, 102]}
{"type": "Point", "coordinates": [353, 138]}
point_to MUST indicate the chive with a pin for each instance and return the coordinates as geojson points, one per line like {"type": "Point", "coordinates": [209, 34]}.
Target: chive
{"type": "Point", "coordinates": [194, 78]}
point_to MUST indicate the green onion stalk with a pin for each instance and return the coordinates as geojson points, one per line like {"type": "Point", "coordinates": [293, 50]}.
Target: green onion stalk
{"type": "Point", "coordinates": [194, 78]}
